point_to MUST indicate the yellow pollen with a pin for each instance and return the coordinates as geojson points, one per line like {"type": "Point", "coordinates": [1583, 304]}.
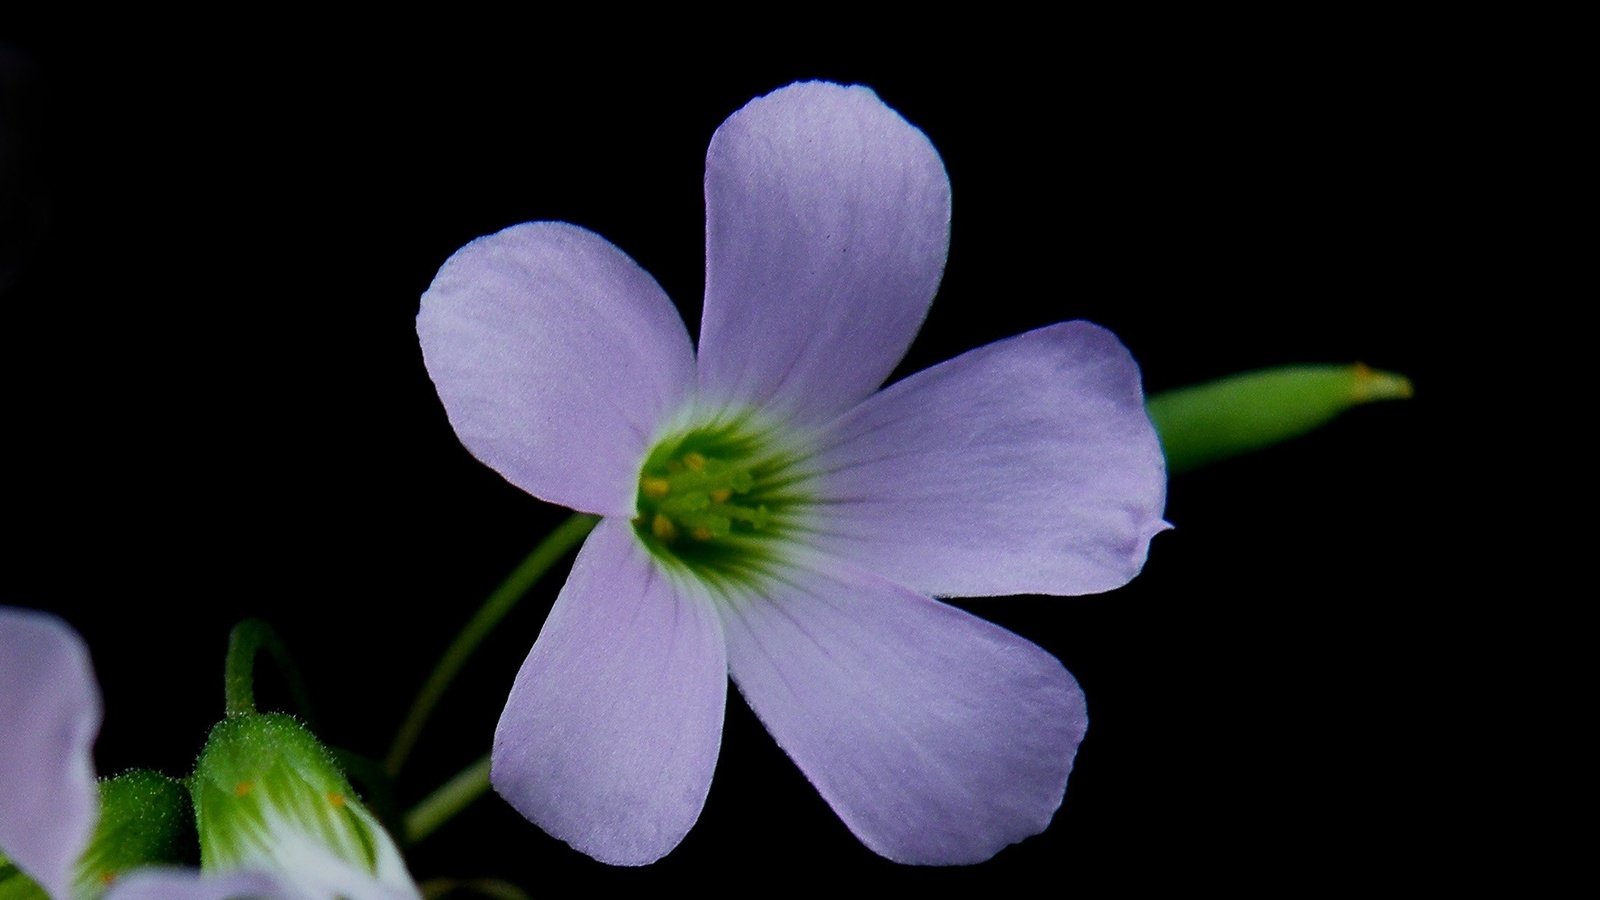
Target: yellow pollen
{"type": "Point", "coordinates": [694, 461]}
{"type": "Point", "coordinates": [107, 877]}
{"type": "Point", "coordinates": [662, 528]}
{"type": "Point", "coordinates": [335, 799]}
{"type": "Point", "coordinates": [243, 788]}
{"type": "Point", "coordinates": [655, 488]}
{"type": "Point", "coordinates": [721, 495]}
{"type": "Point", "coordinates": [701, 533]}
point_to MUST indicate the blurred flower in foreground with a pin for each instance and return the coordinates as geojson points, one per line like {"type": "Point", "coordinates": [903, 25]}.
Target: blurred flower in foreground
{"type": "Point", "coordinates": [50, 803]}
{"type": "Point", "coordinates": [768, 515]}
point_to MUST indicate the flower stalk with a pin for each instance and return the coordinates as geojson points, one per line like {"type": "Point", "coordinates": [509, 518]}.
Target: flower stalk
{"type": "Point", "coordinates": [245, 642]}
{"type": "Point", "coordinates": [504, 598]}
{"type": "Point", "coordinates": [448, 799]}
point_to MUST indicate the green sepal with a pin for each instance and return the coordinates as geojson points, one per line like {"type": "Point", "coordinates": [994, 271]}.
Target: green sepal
{"type": "Point", "coordinates": [16, 886]}
{"type": "Point", "coordinates": [263, 783]}
{"type": "Point", "coordinates": [1241, 413]}
{"type": "Point", "coordinates": [145, 820]}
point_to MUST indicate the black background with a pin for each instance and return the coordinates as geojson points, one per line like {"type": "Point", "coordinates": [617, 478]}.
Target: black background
{"type": "Point", "coordinates": [216, 406]}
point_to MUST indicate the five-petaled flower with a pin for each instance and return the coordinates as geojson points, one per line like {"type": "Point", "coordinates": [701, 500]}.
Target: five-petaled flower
{"type": "Point", "coordinates": [770, 514]}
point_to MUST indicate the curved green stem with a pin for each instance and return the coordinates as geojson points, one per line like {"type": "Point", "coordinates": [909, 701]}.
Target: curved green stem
{"type": "Point", "coordinates": [450, 798]}
{"type": "Point", "coordinates": [248, 639]}
{"type": "Point", "coordinates": [566, 536]}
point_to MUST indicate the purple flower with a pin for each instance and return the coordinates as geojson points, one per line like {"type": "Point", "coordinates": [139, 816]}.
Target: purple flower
{"type": "Point", "coordinates": [49, 799]}
{"type": "Point", "coordinates": [49, 716]}
{"type": "Point", "coordinates": [769, 514]}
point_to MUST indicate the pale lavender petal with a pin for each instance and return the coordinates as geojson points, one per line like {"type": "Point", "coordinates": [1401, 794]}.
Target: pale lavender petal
{"type": "Point", "coordinates": [190, 884]}
{"type": "Point", "coordinates": [558, 359]}
{"type": "Point", "coordinates": [1026, 466]}
{"type": "Point", "coordinates": [611, 732]}
{"type": "Point", "coordinates": [827, 223]}
{"type": "Point", "coordinates": [937, 737]}
{"type": "Point", "coordinates": [49, 716]}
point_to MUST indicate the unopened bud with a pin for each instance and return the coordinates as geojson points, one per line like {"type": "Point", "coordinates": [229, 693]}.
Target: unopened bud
{"type": "Point", "coordinates": [270, 797]}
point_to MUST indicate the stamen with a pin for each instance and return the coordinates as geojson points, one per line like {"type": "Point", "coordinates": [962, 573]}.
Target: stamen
{"type": "Point", "coordinates": [717, 499]}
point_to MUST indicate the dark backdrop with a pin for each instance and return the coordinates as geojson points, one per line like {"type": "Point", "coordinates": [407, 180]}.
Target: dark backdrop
{"type": "Point", "coordinates": [216, 406]}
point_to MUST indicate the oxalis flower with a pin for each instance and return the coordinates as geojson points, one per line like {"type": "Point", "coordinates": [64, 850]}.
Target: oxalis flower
{"type": "Point", "coordinates": [286, 827]}
{"type": "Point", "coordinates": [770, 515]}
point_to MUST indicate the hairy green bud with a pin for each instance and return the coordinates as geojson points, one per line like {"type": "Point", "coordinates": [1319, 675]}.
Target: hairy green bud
{"type": "Point", "coordinates": [269, 797]}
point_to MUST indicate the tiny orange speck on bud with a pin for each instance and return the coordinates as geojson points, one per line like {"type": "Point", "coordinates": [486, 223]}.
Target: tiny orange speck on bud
{"type": "Point", "coordinates": [662, 528]}
{"type": "Point", "coordinates": [243, 788]}
{"type": "Point", "coordinates": [694, 461]}
{"type": "Point", "coordinates": [335, 798]}
{"type": "Point", "coordinates": [1369, 384]}
{"type": "Point", "coordinates": [722, 495]}
{"type": "Point", "coordinates": [655, 488]}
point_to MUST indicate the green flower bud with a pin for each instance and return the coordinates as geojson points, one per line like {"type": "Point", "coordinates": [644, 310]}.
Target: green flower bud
{"type": "Point", "coordinates": [16, 886]}
{"type": "Point", "coordinates": [269, 797]}
{"type": "Point", "coordinates": [1234, 415]}
{"type": "Point", "coordinates": [145, 820]}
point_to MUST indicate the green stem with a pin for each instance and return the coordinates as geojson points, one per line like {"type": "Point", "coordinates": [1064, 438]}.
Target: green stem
{"type": "Point", "coordinates": [566, 536]}
{"type": "Point", "coordinates": [245, 642]}
{"type": "Point", "coordinates": [451, 797]}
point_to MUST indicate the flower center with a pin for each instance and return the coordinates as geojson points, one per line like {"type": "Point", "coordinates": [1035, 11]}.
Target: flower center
{"type": "Point", "coordinates": [719, 500]}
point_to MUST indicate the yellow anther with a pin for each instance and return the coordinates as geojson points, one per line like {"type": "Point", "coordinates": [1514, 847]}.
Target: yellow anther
{"type": "Point", "coordinates": [243, 788]}
{"type": "Point", "coordinates": [694, 460]}
{"type": "Point", "coordinates": [655, 488]}
{"type": "Point", "coordinates": [662, 528]}
{"type": "Point", "coordinates": [721, 495]}
{"type": "Point", "coordinates": [336, 799]}
{"type": "Point", "coordinates": [701, 533]}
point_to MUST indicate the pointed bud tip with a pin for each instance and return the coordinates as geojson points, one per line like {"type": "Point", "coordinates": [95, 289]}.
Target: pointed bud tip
{"type": "Point", "coordinates": [1370, 385]}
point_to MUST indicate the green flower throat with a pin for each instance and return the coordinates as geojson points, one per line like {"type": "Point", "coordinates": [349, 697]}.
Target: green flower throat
{"type": "Point", "coordinates": [719, 500]}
